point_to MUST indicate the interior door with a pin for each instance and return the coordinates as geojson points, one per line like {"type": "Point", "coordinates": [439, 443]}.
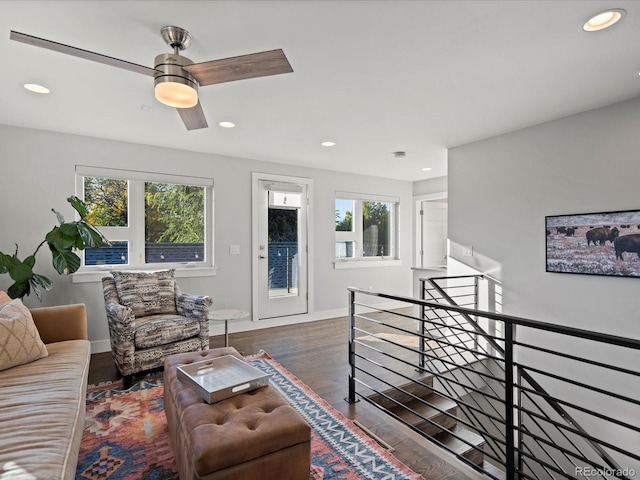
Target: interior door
{"type": "Point", "coordinates": [434, 233]}
{"type": "Point", "coordinates": [282, 249]}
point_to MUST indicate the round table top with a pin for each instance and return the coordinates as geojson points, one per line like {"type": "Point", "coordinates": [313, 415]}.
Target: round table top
{"type": "Point", "coordinates": [228, 314]}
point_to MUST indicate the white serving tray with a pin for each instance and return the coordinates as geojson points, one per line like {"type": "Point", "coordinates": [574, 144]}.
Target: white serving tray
{"type": "Point", "coordinates": [222, 377]}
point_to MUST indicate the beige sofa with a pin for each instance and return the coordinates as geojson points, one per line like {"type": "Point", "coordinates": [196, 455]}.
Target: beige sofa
{"type": "Point", "coordinates": [42, 403]}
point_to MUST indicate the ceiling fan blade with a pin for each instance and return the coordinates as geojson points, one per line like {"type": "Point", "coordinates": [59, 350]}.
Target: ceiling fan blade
{"type": "Point", "coordinates": [78, 52]}
{"type": "Point", "coordinates": [193, 117]}
{"type": "Point", "coordinates": [272, 62]}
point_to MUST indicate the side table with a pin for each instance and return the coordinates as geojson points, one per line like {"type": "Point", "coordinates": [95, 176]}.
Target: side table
{"type": "Point", "coordinates": [225, 316]}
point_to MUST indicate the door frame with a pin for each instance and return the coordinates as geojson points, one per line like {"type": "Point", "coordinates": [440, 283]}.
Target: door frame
{"type": "Point", "coordinates": [256, 177]}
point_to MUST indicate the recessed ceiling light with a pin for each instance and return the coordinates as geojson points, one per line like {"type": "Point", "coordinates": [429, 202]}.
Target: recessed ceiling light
{"type": "Point", "coordinates": [328, 144]}
{"type": "Point", "coordinates": [426, 169]}
{"type": "Point", "coordinates": [603, 20]}
{"type": "Point", "coordinates": [33, 87]}
{"type": "Point", "coordinates": [227, 124]}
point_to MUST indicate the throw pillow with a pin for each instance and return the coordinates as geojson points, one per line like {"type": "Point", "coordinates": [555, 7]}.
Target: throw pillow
{"type": "Point", "coordinates": [20, 341]}
{"type": "Point", "coordinates": [4, 298]}
{"type": "Point", "coordinates": [147, 293]}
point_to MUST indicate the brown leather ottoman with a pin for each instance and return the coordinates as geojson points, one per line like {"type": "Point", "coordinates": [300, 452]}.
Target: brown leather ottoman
{"type": "Point", "coordinates": [255, 435]}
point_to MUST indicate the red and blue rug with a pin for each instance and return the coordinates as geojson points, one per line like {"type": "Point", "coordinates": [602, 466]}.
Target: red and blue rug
{"type": "Point", "coordinates": [126, 435]}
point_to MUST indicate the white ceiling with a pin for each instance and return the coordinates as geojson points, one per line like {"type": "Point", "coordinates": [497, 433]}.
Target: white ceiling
{"type": "Point", "coordinates": [373, 76]}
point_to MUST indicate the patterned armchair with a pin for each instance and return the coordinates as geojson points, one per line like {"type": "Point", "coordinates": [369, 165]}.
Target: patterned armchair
{"type": "Point", "coordinates": [150, 318]}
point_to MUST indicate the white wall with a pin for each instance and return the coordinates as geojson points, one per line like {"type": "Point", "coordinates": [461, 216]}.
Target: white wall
{"type": "Point", "coordinates": [38, 174]}
{"type": "Point", "coordinates": [430, 185]}
{"type": "Point", "coordinates": [501, 189]}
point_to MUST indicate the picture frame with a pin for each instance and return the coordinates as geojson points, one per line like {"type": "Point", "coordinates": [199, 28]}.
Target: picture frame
{"type": "Point", "coordinates": [604, 243]}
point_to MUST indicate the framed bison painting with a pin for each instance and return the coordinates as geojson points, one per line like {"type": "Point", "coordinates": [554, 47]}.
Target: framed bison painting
{"type": "Point", "coordinates": [605, 243]}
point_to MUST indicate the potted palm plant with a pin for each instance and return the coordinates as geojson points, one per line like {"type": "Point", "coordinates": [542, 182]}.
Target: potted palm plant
{"type": "Point", "coordinates": [63, 240]}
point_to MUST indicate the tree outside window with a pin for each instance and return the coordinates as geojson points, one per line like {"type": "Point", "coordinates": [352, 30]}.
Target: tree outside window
{"type": "Point", "coordinates": [174, 223]}
{"type": "Point", "coordinates": [107, 200]}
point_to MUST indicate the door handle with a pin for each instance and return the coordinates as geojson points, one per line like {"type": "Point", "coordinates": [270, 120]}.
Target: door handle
{"type": "Point", "coordinates": [261, 257]}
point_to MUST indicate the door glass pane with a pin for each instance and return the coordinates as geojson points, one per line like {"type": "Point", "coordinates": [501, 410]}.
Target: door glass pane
{"type": "Point", "coordinates": [174, 223]}
{"type": "Point", "coordinates": [376, 228]}
{"type": "Point", "coordinates": [283, 252]}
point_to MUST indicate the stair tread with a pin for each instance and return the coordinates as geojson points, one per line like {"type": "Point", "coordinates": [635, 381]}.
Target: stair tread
{"type": "Point", "coordinates": [427, 418]}
{"type": "Point", "coordinates": [458, 445]}
{"type": "Point", "coordinates": [464, 432]}
{"type": "Point", "coordinates": [402, 393]}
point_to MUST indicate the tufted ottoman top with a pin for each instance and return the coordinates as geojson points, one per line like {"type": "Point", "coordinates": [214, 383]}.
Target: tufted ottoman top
{"type": "Point", "coordinates": [232, 431]}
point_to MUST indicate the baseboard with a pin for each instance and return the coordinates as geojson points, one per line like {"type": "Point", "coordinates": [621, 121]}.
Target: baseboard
{"type": "Point", "coordinates": [217, 328]}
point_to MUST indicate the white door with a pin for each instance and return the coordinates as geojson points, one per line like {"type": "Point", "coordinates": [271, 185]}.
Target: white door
{"type": "Point", "coordinates": [434, 233]}
{"type": "Point", "coordinates": [282, 249]}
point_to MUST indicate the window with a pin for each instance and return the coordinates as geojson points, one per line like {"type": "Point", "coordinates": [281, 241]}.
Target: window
{"type": "Point", "coordinates": [366, 227]}
{"type": "Point", "coordinates": [150, 219]}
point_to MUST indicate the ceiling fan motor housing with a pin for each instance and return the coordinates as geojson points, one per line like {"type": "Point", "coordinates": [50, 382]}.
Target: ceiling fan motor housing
{"type": "Point", "coordinates": [171, 75]}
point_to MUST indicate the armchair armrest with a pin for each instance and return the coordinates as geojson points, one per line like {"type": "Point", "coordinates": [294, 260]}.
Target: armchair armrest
{"type": "Point", "coordinates": [118, 315]}
{"type": "Point", "coordinates": [193, 306]}
{"type": "Point", "coordinates": [60, 323]}
{"type": "Point", "coordinates": [121, 322]}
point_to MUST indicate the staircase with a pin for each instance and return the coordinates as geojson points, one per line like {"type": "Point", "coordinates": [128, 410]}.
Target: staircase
{"type": "Point", "coordinates": [434, 416]}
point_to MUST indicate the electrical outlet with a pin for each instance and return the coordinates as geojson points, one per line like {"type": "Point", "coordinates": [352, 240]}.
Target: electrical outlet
{"type": "Point", "coordinates": [234, 249]}
{"type": "Point", "coordinates": [467, 251]}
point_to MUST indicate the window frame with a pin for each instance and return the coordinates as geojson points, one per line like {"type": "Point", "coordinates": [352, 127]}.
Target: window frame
{"type": "Point", "coordinates": [356, 235]}
{"type": "Point", "coordinates": [134, 232]}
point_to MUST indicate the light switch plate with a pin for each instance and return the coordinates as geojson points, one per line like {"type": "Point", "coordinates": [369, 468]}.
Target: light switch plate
{"type": "Point", "coordinates": [234, 249]}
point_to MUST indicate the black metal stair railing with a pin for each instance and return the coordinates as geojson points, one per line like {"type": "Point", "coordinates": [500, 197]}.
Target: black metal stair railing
{"type": "Point", "coordinates": [535, 387]}
{"type": "Point", "coordinates": [530, 400]}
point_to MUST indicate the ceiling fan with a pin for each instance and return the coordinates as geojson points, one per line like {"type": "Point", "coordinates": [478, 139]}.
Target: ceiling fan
{"type": "Point", "coordinates": [177, 78]}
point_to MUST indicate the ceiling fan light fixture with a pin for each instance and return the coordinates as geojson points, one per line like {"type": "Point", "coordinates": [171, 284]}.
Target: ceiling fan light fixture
{"type": "Point", "coordinates": [174, 86]}
{"type": "Point", "coordinates": [176, 92]}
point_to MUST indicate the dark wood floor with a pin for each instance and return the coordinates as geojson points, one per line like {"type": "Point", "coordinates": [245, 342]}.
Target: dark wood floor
{"type": "Point", "coordinates": [317, 353]}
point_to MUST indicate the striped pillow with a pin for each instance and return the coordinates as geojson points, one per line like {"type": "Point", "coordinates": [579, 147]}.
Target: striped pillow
{"type": "Point", "coordinates": [147, 293]}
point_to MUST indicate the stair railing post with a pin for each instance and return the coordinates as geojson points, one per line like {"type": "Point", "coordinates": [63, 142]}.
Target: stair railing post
{"type": "Point", "coordinates": [509, 402]}
{"type": "Point", "coordinates": [476, 293]}
{"type": "Point", "coordinates": [352, 347]}
{"type": "Point", "coordinates": [519, 435]}
{"type": "Point", "coordinates": [476, 305]}
{"type": "Point", "coordinates": [492, 327]}
{"type": "Point", "coordinates": [421, 343]}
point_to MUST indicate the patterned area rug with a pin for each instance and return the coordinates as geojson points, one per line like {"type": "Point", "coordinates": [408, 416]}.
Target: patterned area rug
{"type": "Point", "coordinates": [126, 434]}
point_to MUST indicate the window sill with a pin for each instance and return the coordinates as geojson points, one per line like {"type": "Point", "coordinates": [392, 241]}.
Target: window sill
{"type": "Point", "coordinates": [181, 272]}
{"type": "Point", "coordinates": [341, 264]}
